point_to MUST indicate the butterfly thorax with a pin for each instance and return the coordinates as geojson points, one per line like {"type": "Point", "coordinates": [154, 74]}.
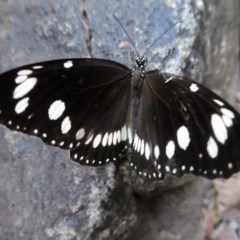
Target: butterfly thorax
{"type": "Point", "coordinates": [138, 74]}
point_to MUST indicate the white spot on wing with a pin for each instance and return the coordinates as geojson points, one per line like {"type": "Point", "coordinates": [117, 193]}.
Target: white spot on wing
{"type": "Point", "coordinates": [227, 112]}
{"type": "Point", "coordinates": [183, 137]}
{"type": "Point", "coordinates": [147, 151]}
{"type": "Point", "coordinates": [212, 148]}
{"type": "Point", "coordinates": [156, 152]}
{"type": "Point", "coordinates": [20, 79]}
{"type": "Point", "coordinates": [89, 139]}
{"type": "Point", "coordinates": [219, 128]}
{"type": "Point", "coordinates": [105, 139]}
{"type": "Point", "coordinates": [230, 165]}
{"type": "Point", "coordinates": [124, 133]}
{"type": "Point", "coordinates": [24, 88]}
{"type": "Point", "coordinates": [37, 67]}
{"type": "Point", "coordinates": [110, 139]}
{"type": "Point", "coordinates": [114, 138]}
{"type": "Point", "coordinates": [97, 140]}
{"type": "Point", "coordinates": [68, 64]}
{"type": "Point", "coordinates": [170, 149]}
{"type": "Point", "coordinates": [22, 105]}
{"type": "Point", "coordinates": [80, 134]}
{"type": "Point", "coordinates": [227, 121]}
{"type": "Point", "coordinates": [135, 141]}
{"type": "Point", "coordinates": [168, 79]}
{"type": "Point", "coordinates": [218, 102]}
{"type": "Point", "coordinates": [118, 136]}
{"type": "Point", "coordinates": [66, 125]}
{"type": "Point", "coordinates": [142, 147]}
{"type": "Point", "coordinates": [129, 136]}
{"type": "Point", "coordinates": [194, 87]}
{"type": "Point", "coordinates": [136, 144]}
{"type": "Point", "coordinates": [24, 72]}
{"type": "Point", "coordinates": [56, 110]}
{"type": "Point", "coordinates": [139, 145]}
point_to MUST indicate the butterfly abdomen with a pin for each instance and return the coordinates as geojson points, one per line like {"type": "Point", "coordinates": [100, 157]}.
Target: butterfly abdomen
{"type": "Point", "coordinates": [138, 75]}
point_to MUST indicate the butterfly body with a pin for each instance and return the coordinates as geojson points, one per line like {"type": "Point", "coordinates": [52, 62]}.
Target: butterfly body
{"type": "Point", "coordinates": [102, 111]}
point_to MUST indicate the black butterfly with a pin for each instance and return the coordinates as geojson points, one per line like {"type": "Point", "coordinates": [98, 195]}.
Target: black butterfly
{"type": "Point", "coordinates": [103, 111]}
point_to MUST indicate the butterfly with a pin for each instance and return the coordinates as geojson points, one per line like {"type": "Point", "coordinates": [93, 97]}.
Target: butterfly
{"type": "Point", "coordinates": [102, 111]}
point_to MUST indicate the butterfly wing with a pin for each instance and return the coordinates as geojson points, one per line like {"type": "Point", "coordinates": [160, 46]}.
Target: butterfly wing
{"type": "Point", "coordinates": [79, 104]}
{"type": "Point", "coordinates": [184, 128]}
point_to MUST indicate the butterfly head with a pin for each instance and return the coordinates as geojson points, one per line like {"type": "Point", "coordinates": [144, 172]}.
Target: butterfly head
{"type": "Point", "coordinates": [140, 63]}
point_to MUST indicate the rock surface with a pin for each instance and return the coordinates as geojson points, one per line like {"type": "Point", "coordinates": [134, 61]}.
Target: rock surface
{"type": "Point", "coordinates": [44, 195]}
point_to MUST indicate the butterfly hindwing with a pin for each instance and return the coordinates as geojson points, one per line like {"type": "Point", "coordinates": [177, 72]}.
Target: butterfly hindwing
{"type": "Point", "coordinates": [184, 128]}
{"type": "Point", "coordinates": [77, 104]}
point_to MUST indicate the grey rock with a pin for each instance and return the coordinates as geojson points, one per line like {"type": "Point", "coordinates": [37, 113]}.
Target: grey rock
{"type": "Point", "coordinates": [174, 215]}
{"type": "Point", "coordinates": [44, 195]}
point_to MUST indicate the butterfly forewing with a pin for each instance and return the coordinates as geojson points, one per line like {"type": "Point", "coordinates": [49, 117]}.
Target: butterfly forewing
{"type": "Point", "coordinates": [184, 128]}
{"type": "Point", "coordinates": [90, 107]}
{"type": "Point", "coordinates": [78, 104]}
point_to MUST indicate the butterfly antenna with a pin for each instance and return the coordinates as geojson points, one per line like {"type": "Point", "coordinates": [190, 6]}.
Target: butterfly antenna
{"type": "Point", "coordinates": [127, 35]}
{"type": "Point", "coordinates": [161, 36]}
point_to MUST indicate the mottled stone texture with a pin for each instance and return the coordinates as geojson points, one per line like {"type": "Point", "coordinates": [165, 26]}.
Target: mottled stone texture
{"type": "Point", "coordinates": [44, 195]}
